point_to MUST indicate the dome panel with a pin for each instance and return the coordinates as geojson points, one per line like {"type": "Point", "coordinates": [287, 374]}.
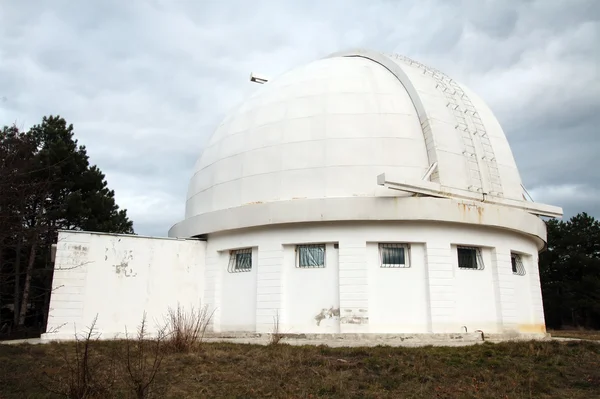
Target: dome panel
{"type": "Point", "coordinates": [329, 128]}
{"type": "Point", "coordinates": [303, 183]}
{"type": "Point", "coordinates": [303, 155]}
{"type": "Point", "coordinates": [261, 160]}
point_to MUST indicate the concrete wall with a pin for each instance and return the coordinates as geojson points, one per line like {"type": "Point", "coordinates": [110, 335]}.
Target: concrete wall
{"type": "Point", "coordinates": [308, 289]}
{"type": "Point", "coordinates": [432, 295]}
{"type": "Point", "coordinates": [120, 277]}
{"type": "Point", "coordinates": [238, 314]}
{"type": "Point", "coordinates": [398, 297]}
{"type": "Point", "coordinates": [476, 303]}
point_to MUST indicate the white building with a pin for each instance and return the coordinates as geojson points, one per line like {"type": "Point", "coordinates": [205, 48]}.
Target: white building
{"type": "Point", "coordinates": [361, 193]}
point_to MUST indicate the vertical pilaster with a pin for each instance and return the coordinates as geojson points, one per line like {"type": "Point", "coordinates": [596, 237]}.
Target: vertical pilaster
{"type": "Point", "coordinates": [441, 287]}
{"type": "Point", "coordinates": [66, 314]}
{"type": "Point", "coordinates": [537, 305]}
{"type": "Point", "coordinates": [212, 287]}
{"type": "Point", "coordinates": [504, 287]}
{"type": "Point", "coordinates": [268, 286]}
{"type": "Point", "coordinates": [353, 286]}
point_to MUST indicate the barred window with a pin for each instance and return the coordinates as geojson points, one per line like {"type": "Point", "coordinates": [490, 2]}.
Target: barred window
{"type": "Point", "coordinates": [517, 264]}
{"type": "Point", "coordinates": [310, 256]}
{"type": "Point", "coordinates": [240, 260]}
{"type": "Point", "coordinates": [469, 258]}
{"type": "Point", "coordinates": [393, 255]}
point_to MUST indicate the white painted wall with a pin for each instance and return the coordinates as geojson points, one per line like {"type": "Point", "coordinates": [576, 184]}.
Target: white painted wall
{"type": "Point", "coordinates": [238, 295]}
{"type": "Point", "coordinates": [118, 278]}
{"type": "Point", "coordinates": [309, 293]}
{"type": "Point", "coordinates": [398, 300]}
{"type": "Point", "coordinates": [524, 299]}
{"type": "Point", "coordinates": [475, 293]}
{"type": "Point", "coordinates": [432, 296]}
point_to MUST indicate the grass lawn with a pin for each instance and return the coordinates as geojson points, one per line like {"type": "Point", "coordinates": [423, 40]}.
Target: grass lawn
{"type": "Point", "coordinates": [221, 370]}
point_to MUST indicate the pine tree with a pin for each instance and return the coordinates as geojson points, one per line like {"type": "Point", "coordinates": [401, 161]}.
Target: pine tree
{"type": "Point", "coordinates": [570, 272]}
{"type": "Point", "coordinates": [46, 184]}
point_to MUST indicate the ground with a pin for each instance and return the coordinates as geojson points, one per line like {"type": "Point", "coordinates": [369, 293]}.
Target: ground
{"type": "Point", "coordinates": [542, 369]}
{"type": "Point", "coordinates": [593, 335]}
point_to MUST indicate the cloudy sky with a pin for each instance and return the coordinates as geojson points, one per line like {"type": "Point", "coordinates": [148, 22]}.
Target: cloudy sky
{"type": "Point", "coordinates": [145, 82]}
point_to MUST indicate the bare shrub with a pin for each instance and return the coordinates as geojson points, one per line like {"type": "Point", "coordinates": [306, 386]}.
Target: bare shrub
{"type": "Point", "coordinates": [142, 359]}
{"type": "Point", "coordinates": [185, 330]}
{"type": "Point", "coordinates": [82, 374]}
{"type": "Point", "coordinates": [276, 334]}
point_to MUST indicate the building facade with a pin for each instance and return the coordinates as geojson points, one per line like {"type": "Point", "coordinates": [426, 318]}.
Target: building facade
{"type": "Point", "coordinates": [361, 193]}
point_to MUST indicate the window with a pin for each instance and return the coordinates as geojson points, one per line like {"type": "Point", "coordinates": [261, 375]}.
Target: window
{"type": "Point", "coordinates": [393, 255]}
{"type": "Point", "coordinates": [469, 258]}
{"type": "Point", "coordinates": [309, 256]}
{"type": "Point", "coordinates": [240, 260]}
{"type": "Point", "coordinates": [517, 264]}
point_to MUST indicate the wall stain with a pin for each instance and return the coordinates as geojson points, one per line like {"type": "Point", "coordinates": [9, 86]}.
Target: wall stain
{"type": "Point", "coordinates": [355, 318]}
{"type": "Point", "coordinates": [79, 248]}
{"type": "Point", "coordinates": [327, 314]}
{"type": "Point", "coordinates": [531, 328]}
{"type": "Point", "coordinates": [123, 268]}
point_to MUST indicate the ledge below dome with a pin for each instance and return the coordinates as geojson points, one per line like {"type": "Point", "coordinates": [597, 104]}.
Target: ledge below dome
{"type": "Point", "coordinates": [424, 209]}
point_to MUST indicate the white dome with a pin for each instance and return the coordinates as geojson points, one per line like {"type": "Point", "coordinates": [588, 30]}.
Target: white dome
{"type": "Point", "coordinates": [329, 128]}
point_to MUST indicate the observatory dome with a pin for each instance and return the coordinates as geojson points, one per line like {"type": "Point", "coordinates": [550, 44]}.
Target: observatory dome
{"type": "Point", "coordinates": [360, 193]}
{"type": "Point", "coordinates": [329, 128]}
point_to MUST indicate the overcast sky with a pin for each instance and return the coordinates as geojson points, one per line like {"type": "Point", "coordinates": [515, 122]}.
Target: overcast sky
{"type": "Point", "coordinates": [145, 82]}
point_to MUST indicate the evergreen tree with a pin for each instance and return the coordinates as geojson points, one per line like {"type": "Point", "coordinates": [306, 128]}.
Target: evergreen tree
{"type": "Point", "coordinates": [46, 184]}
{"type": "Point", "coordinates": [570, 273]}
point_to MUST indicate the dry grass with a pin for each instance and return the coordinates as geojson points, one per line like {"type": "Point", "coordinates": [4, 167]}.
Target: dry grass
{"type": "Point", "coordinates": [276, 335]}
{"type": "Point", "coordinates": [141, 360]}
{"type": "Point", "coordinates": [185, 329]}
{"type": "Point", "coordinates": [593, 335]}
{"type": "Point", "coordinates": [220, 370]}
{"type": "Point", "coordinates": [82, 374]}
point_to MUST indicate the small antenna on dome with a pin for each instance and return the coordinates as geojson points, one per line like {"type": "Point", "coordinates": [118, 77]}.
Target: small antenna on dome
{"type": "Point", "coordinates": [258, 78]}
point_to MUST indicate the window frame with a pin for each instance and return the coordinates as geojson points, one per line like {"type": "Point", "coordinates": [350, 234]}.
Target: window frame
{"type": "Point", "coordinates": [393, 245]}
{"type": "Point", "coordinates": [235, 260]}
{"type": "Point", "coordinates": [300, 247]}
{"type": "Point", "coordinates": [518, 267]}
{"type": "Point", "coordinates": [479, 264]}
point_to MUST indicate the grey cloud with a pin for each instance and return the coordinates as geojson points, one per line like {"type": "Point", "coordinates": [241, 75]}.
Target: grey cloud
{"type": "Point", "coordinates": [146, 82]}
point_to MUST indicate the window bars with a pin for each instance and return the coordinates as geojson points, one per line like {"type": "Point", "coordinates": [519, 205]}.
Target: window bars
{"type": "Point", "coordinates": [240, 260]}
{"type": "Point", "coordinates": [517, 264]}
{"type": "Point", "coordinates": [394, 256]}
{"type": "Point", "coordinates": [310, 256]}
{"type": "Point", "coordinates": [469, 258]}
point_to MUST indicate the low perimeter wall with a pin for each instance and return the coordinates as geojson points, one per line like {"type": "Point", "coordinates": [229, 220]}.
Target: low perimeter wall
{"type": "Point", "coordinates": [119, 277]}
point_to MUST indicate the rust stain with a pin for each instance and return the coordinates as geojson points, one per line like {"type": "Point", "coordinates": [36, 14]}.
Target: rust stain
{"type": "Point", "coordinates": [532, 328]}
{"type": "Point", "coordinates": [465, 211]}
